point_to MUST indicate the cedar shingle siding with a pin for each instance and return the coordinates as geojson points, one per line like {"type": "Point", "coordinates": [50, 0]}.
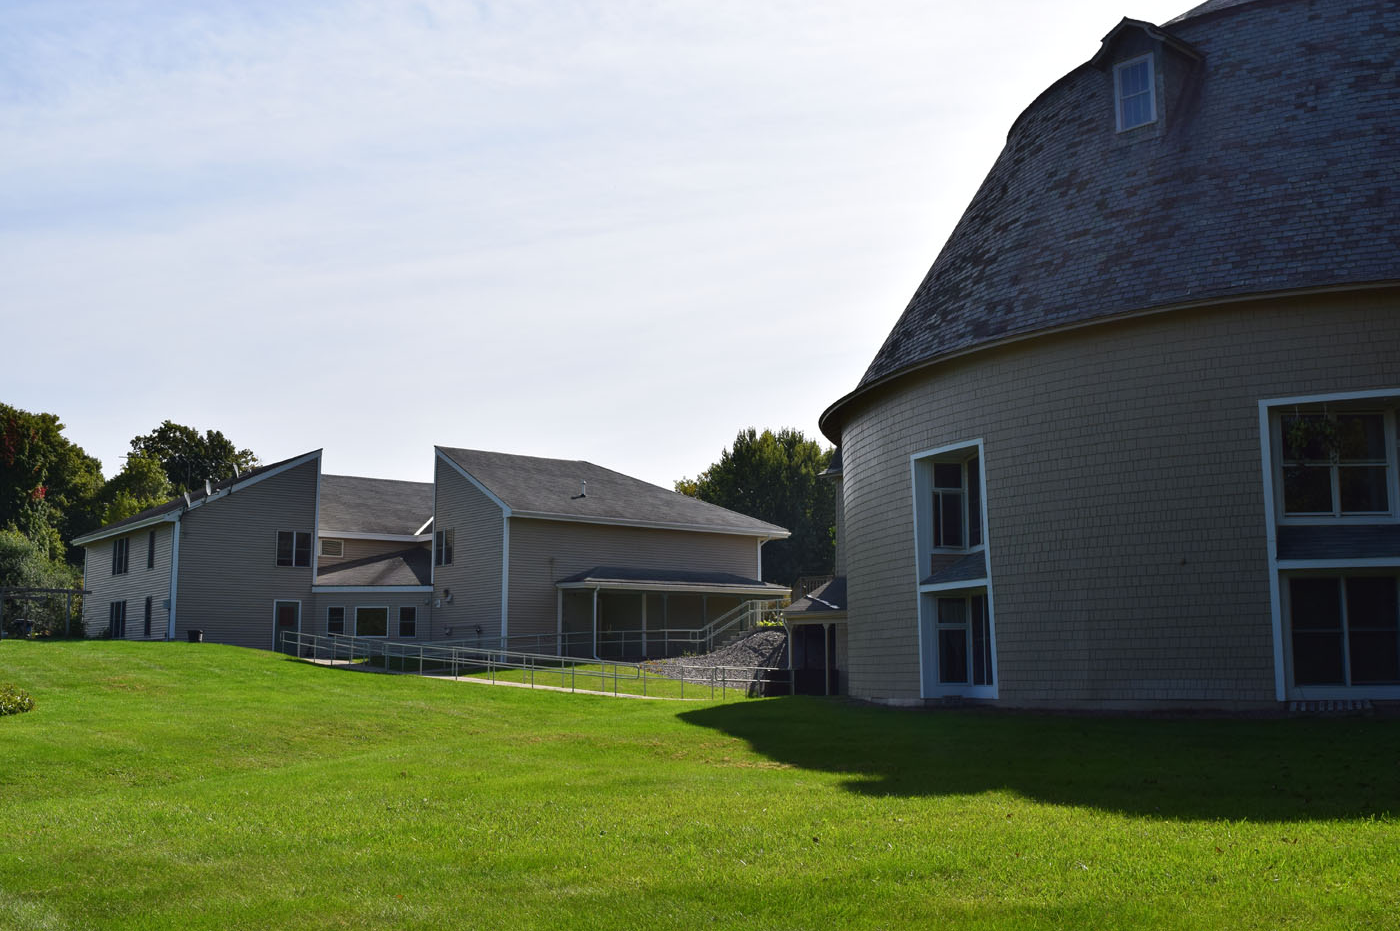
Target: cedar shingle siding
{"type": "Point", "coordinates": [1126, 521]}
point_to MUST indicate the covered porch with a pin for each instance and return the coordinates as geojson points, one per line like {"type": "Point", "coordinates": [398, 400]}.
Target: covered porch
{"type": "Point", "coordinates": [618, 612]}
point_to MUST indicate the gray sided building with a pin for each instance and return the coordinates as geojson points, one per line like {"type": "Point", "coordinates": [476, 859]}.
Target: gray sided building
{"type": "Point", "coordinates": [497, 549]}
{"type": "Point", "coordinates": [1133, 442]}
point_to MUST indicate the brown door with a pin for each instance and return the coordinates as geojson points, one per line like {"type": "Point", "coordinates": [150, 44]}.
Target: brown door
{"type": "Point", "coordinates": [286, 620]}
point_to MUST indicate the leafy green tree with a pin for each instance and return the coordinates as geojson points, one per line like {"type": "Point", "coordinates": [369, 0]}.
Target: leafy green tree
{"type": "Point", "coordinates": [48, 486]}
{"type": "Point", "coordinates": [776, 477]}
{"type": "Point", "coordinates": [141, 484]}
{"type": "Point", "coordinates": [189, 458]}
{"type": "Point", "coordinates": [24, 563]}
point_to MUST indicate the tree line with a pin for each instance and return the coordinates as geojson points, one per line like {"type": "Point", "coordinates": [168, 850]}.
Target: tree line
{"type": "Point", "coordinates": [52, 491]}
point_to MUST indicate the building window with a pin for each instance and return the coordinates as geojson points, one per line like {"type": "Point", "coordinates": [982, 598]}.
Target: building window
{"type": "Point", "coordinates": [1334, 464]}
{"type": "Point", "coordinates": [1344, 630]}
{"type": "Point", "coordinates": [293, 548]}
{"type": "Point", "coordinates": [335, 620]}
{"type": "Point", "coordinates": [151, 549]}
{"type": "Point", "coordinates": [956, 640]}
{"type": "Point", "coordinates": [121, 549]}
{"type": "Point", "coordinates": [371, 622]}
{"type": "Point", "coordinates": [1135, 93]}
{"type": "Point", "coordinates": [408, 621]}
{"type": "Point", "coordinates": [116, 620]}
{"type": "Point", "coordinates": [332, 547]}
{"type": "Point", "coordinates": [146, 627]}
{"type": "Point", "coordinates": [442, 548]}
{"type": "Point", "coordinates": [948, 504]}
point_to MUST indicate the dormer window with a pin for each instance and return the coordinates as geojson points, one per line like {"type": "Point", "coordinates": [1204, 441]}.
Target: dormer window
{"type": "Point", "coordinates": [1135, 93]}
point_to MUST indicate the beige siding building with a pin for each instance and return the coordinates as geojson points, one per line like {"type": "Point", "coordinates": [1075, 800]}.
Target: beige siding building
{"type": "Point", "coordinates": [1133, 443]}
{"type": "Point", "coordinates": [497, 550]}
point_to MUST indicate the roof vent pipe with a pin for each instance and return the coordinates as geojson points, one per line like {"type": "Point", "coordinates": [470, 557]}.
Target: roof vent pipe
{"type": "Point", "coordinates": [208, 489]}
{"type": "Point", "coordinates": [188, 505]}
{"type": "Point", "coordinates": [583, 489]}
{"type": "Point", "coordinates": [236, 473]}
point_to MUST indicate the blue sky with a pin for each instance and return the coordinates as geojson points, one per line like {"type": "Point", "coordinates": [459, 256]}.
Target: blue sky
{"type": "Point", "coordinates": [613, 231]}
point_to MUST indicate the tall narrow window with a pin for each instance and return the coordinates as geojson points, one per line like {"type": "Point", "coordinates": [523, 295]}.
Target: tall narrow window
{"type": "Point", "coordinates": [964, 641]}
{"type": "Point", "coordinates": [146, 627]}
{"type": "Point", "coordinates": [116, 620]}
{"type": "Point", "coordinates": [151, 550]}
{"type": "Point", "coordinates": [408, 621]}
{"type": "Point", "coordinates": [1135, 94]}
{"type": "Point", "coordinates": [442, 548]}
{"type": "Point", "coordinates": [121, 550]}
{"type": "Point", "coordinates": [293, 548]}
{"type": "Point", "coordinates": [335, 620]}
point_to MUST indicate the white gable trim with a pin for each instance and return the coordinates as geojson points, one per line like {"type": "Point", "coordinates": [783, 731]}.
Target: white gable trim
{"type": "Point", "coordinates": [471, 478]}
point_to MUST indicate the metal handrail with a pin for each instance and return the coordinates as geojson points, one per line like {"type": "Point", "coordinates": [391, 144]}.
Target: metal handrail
{"type": "Point", "coordinates": [335, 647]}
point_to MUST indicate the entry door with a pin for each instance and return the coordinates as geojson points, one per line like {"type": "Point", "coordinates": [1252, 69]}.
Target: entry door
{"type": "Point", "coordinates": [286, 619]}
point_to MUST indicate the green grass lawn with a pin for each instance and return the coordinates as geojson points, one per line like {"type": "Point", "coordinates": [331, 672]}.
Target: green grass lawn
{"type": "Point", "coordinates": [199, 786]}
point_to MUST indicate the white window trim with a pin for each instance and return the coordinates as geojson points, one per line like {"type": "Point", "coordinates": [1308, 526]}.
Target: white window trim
{"type": "Point", "coordinates": [329, 609]}
{"type": "Point", "coordinates": [1118, 91]}
{"type": "Point", "coordinates": [398, 621]}
{"type": "Point", "coordinates": [388, 616]}
{"type": "Point", "coordinates": [992, 691]}
{"type": "Point", "coordinates": [339, 543]}
{"type": "Point", "coordinates": [1392, 474]}
{"type": "Point", "coordinates": [1271, 514]}
{"type": "Point", "coordinates": [311, 558]}
{"type": "Point", "coordinates": [1333, 692]}
{"type": "Point", "coordinates": [929, 686]}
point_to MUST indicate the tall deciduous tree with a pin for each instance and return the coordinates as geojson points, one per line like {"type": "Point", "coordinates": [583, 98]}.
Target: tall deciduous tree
{"type": "Point", "coordinates": [189, 458]}
{"type": "Point", "coordinates": [48, 486]}
{"type": "Point", "coordinates": [141, 484]}
{"type": "Point", "coordinates": [776, 477]}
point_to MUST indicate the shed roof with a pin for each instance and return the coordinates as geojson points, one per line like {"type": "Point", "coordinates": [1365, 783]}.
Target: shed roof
{"type": "Point", "coordinates": [411, 566]}
{"type": "Point", "coordinates": [350, 503]}
{"type": "Point", "coordinates": [531, 486]}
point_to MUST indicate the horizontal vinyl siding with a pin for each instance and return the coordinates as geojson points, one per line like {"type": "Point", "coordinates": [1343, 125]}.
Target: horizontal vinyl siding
{"type": "Point", "coordinates": [313, 613]}
{"type": "Point", "coordinates": [1126, 523]}
{"type": "Point", "coordinates": [478, 526]}
{"type": "Point", "coordinates": [138, 583]}
{"type": "Point", "coordinates": [544, 551]}
{"type": "Point", "coordinates": [229, 578]}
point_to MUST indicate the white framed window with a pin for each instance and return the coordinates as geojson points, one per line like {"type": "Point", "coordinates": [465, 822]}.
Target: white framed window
{"type": "Point", "coordinates": [442, 548]}
{"type": "Point", "coordinates": [1135, 92]}
{"type": "Point", "coordinates": [408, 621]}
{"type": "Point", "coordinates": [293, 548]}
{"type": "Point", "coordinates": [947, 504]}
{"type": "Point", "coordinates": [372, 622]}
{"type": "Point", "coordinates": [332, 547]}
{"type": "Point", "coordinates": [335, 620]}
{"type": "Point", "coordinates": [1334, 464]}
{"type": "Point", "coordinates": [1343, 630]}
{"type": "Point", "coordinates": [955, 638]}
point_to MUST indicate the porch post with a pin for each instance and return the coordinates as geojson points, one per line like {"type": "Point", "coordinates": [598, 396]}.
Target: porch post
{"type": "Point", "coordinates": [595, 623]}
{"type": "Point", "coordinates": [826, 649]}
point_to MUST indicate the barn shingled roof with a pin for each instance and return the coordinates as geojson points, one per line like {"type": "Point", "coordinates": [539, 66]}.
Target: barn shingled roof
{"type": "Point", "coordinates": [1274, 171]}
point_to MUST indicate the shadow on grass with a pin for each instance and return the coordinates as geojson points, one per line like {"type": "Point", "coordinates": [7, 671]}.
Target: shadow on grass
{"type": "Point", "coordinates": [1275, 769]}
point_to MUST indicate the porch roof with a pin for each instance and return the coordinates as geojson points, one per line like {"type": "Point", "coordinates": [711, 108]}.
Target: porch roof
{"type": "Point", "coordinates": [674, 580]}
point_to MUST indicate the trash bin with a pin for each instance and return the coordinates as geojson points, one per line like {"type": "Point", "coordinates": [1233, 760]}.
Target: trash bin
{"type": "Point", "coordinates": [196, 636]}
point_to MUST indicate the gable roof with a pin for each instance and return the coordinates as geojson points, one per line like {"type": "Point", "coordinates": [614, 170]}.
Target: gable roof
{"type": "Point", "coordinates": [172, 509]}
{"type": "Point", "coordinates": [352, 504]}
{"type": "Point", "coordinates": [530, 486]}
{"type": "Point", "coordinates": [1271, 172]}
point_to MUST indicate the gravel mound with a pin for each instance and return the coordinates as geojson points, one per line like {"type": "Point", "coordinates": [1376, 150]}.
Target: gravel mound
{"type": "Point", "coordinates": [764, 647]}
